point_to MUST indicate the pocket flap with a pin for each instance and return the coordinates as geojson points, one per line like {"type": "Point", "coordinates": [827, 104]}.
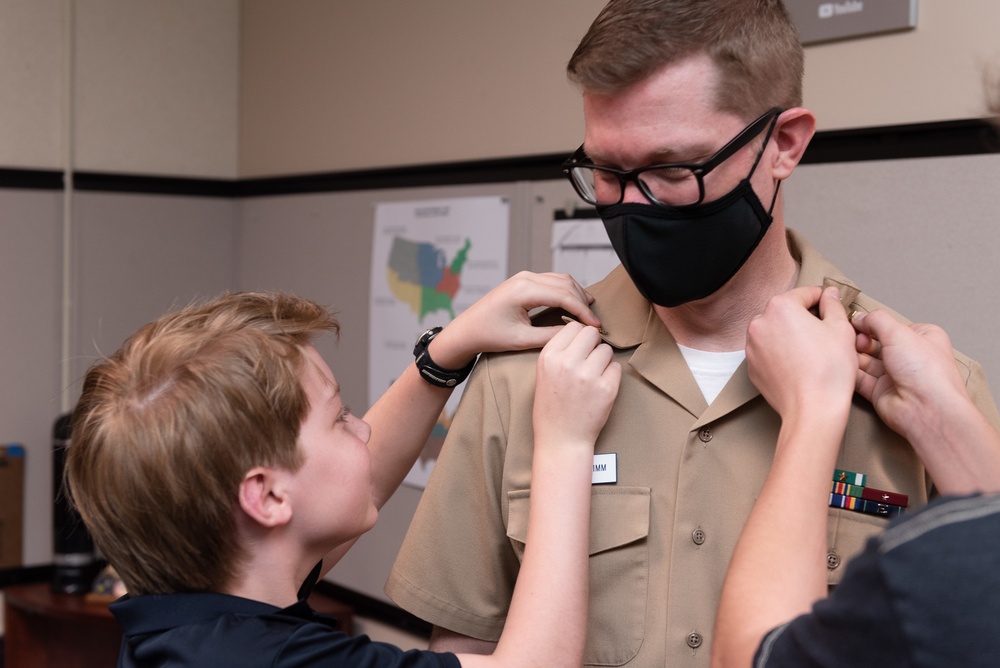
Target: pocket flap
{"type": "Point", "coordinates": [618, 516]}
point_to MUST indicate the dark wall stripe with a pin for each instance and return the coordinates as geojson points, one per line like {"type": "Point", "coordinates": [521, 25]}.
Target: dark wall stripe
{"type": "Point", "coordinates": [31, 179]}
{"type": "Point", "coordinates": [894, 142]}
{"type": "Point", "coordinates": [503, 170]}
{"type": "Point", "coordinates": [900, 142]}
{"type": "Point", "coordinates": [154, 185]}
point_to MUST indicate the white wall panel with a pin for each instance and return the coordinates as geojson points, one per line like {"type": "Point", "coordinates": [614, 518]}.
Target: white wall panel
{"type": "Point", "coordinates": [30, 283]}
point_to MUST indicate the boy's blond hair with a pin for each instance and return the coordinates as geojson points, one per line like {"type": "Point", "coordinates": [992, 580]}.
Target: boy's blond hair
{"type": "Point", "coordinates": [753, 43]}
{"type": "Point", "coordinates": [167, 427]}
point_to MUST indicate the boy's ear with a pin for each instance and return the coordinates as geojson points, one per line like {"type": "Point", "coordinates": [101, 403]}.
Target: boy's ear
{"type": "Point", "coordinates": [263, 498]}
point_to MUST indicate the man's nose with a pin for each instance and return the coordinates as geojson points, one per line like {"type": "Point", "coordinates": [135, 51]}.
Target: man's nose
{"type": "Point", "coordinates": [633, 194]}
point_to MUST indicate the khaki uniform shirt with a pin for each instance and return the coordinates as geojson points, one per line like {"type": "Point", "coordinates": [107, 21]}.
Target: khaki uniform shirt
{"type": "Point", "coordinates": [662, 534]}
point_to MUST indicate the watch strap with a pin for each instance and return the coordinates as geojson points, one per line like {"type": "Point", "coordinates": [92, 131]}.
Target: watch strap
{"type": "Point", "coordinates": [431, 372]}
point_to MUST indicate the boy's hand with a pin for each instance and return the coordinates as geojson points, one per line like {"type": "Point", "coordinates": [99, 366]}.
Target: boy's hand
{"type": "Point", "coordinates": [576, 384]}
{"type": "Point", "coordinates": [499, 320]}
{"type": "Point", "coordinates": [800, 361]}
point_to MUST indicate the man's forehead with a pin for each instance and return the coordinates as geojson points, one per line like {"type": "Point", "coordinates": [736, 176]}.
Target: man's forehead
{"type": "Point", "coordinates": [641, 133]}
{"type": "Point", "coordinates": [637, 146]}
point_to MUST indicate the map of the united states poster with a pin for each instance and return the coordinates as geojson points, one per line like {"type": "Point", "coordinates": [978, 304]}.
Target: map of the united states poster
{"type": "Point", "coordinates": [421, 276]}
{"type": "Point", "coordinates": [431, 259]}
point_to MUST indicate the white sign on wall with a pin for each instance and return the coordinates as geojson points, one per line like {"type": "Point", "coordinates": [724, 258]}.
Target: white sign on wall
{"type": "Point", "coordinates": [581, 248]}
{"type": "Point", "coordinates": [825, 20]}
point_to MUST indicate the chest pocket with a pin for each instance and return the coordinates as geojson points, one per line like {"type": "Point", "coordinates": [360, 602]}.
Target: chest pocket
{"type": "Point", "coordinates": [619, 568]}
{"type": "Point", "coordinates": [847, 532]}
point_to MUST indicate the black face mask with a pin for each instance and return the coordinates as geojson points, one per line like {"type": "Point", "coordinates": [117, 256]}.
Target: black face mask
{"type": "Point", "coordinates": [676, 255]}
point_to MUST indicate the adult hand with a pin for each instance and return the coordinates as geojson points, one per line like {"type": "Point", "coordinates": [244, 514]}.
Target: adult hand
{"type": "Point", "coordinates": [499, 320]}
{"type": "Point", "coordinates": [798, 360]}
{"type": "Point", "coordinates": [576, 384]}
{"type": "Point", "coordinates": [907, 372]}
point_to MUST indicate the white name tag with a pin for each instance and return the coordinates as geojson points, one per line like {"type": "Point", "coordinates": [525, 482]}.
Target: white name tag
{"type": "Point", "coordinates": [605, 469]}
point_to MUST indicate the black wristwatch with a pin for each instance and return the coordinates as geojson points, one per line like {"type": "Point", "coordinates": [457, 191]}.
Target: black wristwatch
{"type": "Point", "coordinates": [430, 371]}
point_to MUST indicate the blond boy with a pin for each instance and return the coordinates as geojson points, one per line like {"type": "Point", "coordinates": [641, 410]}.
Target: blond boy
{"type": "Point", "coordinates": [219, 471]}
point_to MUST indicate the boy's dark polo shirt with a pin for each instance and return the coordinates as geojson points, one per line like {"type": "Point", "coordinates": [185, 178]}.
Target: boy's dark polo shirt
{"type": "Point", "coordinates": [218, 630]}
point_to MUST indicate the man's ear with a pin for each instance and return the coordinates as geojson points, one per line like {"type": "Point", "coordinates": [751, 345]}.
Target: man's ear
{"type": "Point", "coordinates": [794, 130]}
{"type": "Point", "coordinates": [263, 498]}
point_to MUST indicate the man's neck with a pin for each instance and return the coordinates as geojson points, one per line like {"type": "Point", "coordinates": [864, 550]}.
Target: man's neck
{"type": "Point", "coordinates": [719, 322]}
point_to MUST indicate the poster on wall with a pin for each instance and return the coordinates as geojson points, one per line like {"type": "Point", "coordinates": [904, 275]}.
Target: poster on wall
{"type": "Point", "coordinates": [582, 249]}
{"type": "Point", "coordinates": [431, 259]}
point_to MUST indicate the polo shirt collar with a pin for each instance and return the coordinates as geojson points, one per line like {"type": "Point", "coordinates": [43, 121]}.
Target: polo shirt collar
{"type": "Point", "coordinates": [159, 612]}
{"type": "Point", "coordinates": [151, 613]}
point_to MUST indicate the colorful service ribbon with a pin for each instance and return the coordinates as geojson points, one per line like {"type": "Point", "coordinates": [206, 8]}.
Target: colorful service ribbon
{"type": "Point", "coordinates": [849, 492]}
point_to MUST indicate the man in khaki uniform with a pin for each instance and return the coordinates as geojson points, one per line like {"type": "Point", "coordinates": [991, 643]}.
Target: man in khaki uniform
{"type": "Point", "coordinates": [692, 121]}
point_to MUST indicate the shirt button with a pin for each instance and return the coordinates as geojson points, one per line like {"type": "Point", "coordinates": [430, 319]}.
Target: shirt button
{"type": "Point", "coordinates": [698, 536]}
{"type": "Point", "coordinates": [705, 435]}
{"type": "Point", "coordinates": [832, 560]}
{"type": "Point", "coordinates": [694, 640]}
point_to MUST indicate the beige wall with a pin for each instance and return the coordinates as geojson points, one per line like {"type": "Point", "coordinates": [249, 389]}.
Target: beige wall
{"type": "Point", "coordinates": [330, 86]}
{"type": "Point", "coordinates": [31, 83]}
{"type": "Point", "coordinates": [155, 85]}
{"type": "Point", "coordinates": [244, 88]}
{"type": "Point", "coordinates": [932, 73]}
{"type": "Point", "coordinates": [334, 85]}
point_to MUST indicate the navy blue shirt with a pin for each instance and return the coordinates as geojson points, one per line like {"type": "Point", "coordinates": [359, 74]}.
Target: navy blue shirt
{"type": "Point", "coordinates": [218, 630]}
{"type": "Point", "coordinates": [926, 593]}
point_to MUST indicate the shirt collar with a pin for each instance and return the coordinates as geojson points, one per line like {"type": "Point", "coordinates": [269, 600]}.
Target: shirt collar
{"type": "Point", "coordinates": [813, 266]}
{"type": "Point", "coordinates": [629, 320]}
{"type": "Point", "coordinates": [307, 585]}
{"type": "Point", "coordinates": [157, 612]}
{"type": "Point", "coordinates": [623, 311]}
{"type": "Point", "coordinates": [151, 613]}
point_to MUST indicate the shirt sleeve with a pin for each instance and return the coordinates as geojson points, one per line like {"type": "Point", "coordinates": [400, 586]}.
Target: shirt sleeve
{"type": "Point", "coordinates": [855, 626]}
{"type": "Point", "coordinates": [314, 645]}
{"type": "Point", "coordinates": [456, 567]}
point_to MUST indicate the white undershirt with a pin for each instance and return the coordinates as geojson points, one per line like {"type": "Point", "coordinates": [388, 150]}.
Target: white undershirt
{"type": "Point", "coordinates": [712, 370]}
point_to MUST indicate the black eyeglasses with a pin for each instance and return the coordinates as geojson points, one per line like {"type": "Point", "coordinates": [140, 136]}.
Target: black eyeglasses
{"type": "Point", "coordinates": [672, 184]}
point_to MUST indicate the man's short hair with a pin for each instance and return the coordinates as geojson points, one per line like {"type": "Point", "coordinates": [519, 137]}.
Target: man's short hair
{"type": "Point", "coordinates": [752, 42]}
{"type": "Point", "coordinates": [167, 427]}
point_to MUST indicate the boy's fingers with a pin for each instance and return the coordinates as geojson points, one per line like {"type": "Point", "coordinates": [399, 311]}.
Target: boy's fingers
{"type": "Point", "coordinates": [830, 307]}
{"type": "Point", "coordinates": [805, 296]}
{"type": "Point", "coordinates": [564, 334]}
